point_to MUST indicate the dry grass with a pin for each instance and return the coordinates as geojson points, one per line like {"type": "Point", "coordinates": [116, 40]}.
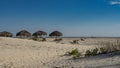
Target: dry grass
{"type": "Point", "coordinates": [110, 46]}
{"type": "Point", "coordinates": [101, 48]}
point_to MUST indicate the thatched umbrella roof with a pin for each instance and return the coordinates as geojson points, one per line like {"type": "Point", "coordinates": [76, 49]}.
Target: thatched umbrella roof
{"type": "Point", "coordinates": [39, 33]}
{"type": "Point", "coordinates": [6, 34]}
{"type": "Point", "coordinates": [24, 33]}
{"type": "Point", "coordinates": [55, 33]}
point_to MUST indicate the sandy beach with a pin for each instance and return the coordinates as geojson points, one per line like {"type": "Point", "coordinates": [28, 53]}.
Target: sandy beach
{"type": "Point", "coordinates": [23, 53]}
{"type": "Point", "coordinates": [59, 34]}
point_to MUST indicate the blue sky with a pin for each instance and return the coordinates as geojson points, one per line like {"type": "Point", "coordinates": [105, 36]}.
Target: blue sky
{"type": "Point", "coordinates": [72, 17]}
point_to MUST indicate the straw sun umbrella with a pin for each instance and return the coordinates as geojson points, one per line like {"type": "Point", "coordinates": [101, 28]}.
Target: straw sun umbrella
{"type": "Point", "coordinates": [55, 34]}
{"type": "Point", "coordinates": [23, 33]}
{"type": "Point", "coordinates": [6, 34]}
{"type": "Point", "coordinates": [39, 34]}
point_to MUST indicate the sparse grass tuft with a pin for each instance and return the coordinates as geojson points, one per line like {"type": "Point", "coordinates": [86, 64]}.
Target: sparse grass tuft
{"type": "Point", "coordinates": [103, 50]}
{"type": "Point", "coordinates": [92, 52]}
{"type": "Point", "coordinates": [75, 53]}
{"type": "Point", "coordinates": [106, 47]}
{"type": "Point", "coordinates": [110, 46]}
{"type": "Point", "coordinates": [95, 51]}
{"type": "Point", "coordinates": [88, 53]}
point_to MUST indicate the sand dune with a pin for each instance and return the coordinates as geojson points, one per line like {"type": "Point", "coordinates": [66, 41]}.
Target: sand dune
{"type": "Point", "coordinates": [23, 53]}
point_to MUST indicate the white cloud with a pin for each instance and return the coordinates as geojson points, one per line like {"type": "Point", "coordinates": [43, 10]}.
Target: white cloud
{"type": "Point", "coordinates": [115, 2]}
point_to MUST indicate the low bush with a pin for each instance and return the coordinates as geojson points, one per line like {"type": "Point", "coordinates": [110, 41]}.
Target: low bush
{"type": "Point", "coordinates": [92, 52]}
{"type": "Point", "coordinates": [88, 53]}
{"type": "Point", "coordinates": [103, 50]}
{"type": "Point", "coordinates": [106, 47]}
{"type": "Point", "coordinates": [95, 52]}
{"type": "Point", "coordinates": [75, 53]}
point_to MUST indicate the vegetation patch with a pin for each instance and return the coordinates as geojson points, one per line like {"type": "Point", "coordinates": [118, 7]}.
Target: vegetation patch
{"type": "Point", "coordinates": [105, 47]}
{"type": "Point", "coordinates": [103, 50]}
{"type": "Point", "coordinates": [75, 53]}
{"type": "Point", "coordinates": [92, 52]}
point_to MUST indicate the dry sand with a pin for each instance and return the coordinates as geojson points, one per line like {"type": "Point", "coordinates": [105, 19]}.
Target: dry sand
{"type": "Point", "coordinates": [23, 53]}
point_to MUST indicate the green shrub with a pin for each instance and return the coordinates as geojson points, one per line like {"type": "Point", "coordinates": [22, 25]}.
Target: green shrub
{"type": "Point", "coordinates": [88, 53]}
{"type": "Point", "coordinates": [103, 50]}
{"type": "Point", "coordinates": [75, 53]}
{"type": "Point", "coordinates": [92, 52]}
{"type": "Point", "coordinates": [95, 52]}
